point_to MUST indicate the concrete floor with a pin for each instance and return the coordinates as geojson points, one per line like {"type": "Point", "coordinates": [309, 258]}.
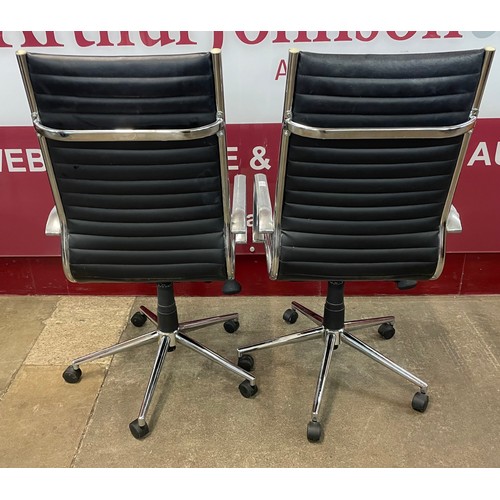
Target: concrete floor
{"type": "Point", "coordinates": [198, 417]}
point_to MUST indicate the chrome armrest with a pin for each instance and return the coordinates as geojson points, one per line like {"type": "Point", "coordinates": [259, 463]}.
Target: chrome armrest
{"type": "Point", "coordinates": [238, 211]}
{"type": "Point", "coordinates": [263, 222]}
{"type": "Point", "coordinates": [53, 226]}
{"type": "Point", "coordinates": [453, 224]}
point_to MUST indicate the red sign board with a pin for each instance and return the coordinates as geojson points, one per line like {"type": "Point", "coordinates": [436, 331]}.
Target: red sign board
{"type": "Point", "coordinates": [26, 199]}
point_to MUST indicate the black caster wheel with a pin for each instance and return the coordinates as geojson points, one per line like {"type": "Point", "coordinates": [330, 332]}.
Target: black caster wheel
{"type": "Point", "coordinates": [247, 390]}
{"type": "Point", "coordinates": [406, 284]}
{"type": "Point", "coordinates": [290, 316]}
{"type": "Point", "coordinates": [231, 287]}
{"type": "Point", "coordinates": [314, 431]}
{"type": "Point", "coordinates": [138, 319]}
{"type": "Point", "coordinates": [246, 362]}
{"type": "Point", "coordinates": [420, 402]}
{"type": "Point", "coordinates": [386, 330]}
{"type": "Point", "coordinates": [72, 375]}
{"type": "Point", "coordinates": [137, 431]}
{"type": "Point", "coordinates": [231, 325]}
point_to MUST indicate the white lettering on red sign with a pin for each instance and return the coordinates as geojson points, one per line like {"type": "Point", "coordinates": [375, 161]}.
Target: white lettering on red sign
{"type": "Point", "coordinates": [21, 160]}
{"type": "Point", "coordinates": [258, 162]}
{"type": "Point", "coordinates": [232, 159]}
{"type": "Point", "coordinates": [482, 156]}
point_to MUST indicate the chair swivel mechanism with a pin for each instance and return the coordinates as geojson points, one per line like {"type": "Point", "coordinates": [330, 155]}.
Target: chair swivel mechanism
{"type": "Point", "coordinates": [135, 151]}
{"type": "Point", "coordinates": [371, 150]}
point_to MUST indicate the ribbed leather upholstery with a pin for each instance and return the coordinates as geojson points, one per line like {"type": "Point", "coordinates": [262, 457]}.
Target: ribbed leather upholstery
{"type": "Point", "coordinates": [135, 211]}
{"type": "Point", "coordinates": [164, 92]}
{"type": "Point", "coordinates": [371, 209]}
{"type": "Point", "coordinates": [379, 90]}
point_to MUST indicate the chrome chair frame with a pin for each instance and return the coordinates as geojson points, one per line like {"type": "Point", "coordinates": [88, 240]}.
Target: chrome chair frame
{"type": "Point", "coordinates": [267, 230]}
{"type": "Point", "coordinates": [234, 227]}
{"type": "Point", "coordinates": [272, 227]}
{"type": "Point", "coordinates": [168, 331]}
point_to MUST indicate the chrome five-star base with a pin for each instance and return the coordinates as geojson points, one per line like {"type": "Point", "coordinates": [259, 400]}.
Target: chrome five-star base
{"type": "Point", "coordinates": [333, 337]}
{"type": "Point", "coordinates": [167, 339]}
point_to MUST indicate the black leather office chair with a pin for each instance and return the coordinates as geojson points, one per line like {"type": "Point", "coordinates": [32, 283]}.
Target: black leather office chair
{"type": "Point", "coordinates": [135, 152]}
{"type": "Point", "coordinates": [371, 151]}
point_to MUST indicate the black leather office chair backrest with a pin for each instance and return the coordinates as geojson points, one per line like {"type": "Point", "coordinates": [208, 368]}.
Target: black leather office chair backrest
{"type": "Point", "coordinates": [135, 210]}
{"type": "Point", "coordinates": [140, 92]}
{"type": "Point", "coordinates": [382, 90]}
{"type": "Point", "coordinates": [372, 208]}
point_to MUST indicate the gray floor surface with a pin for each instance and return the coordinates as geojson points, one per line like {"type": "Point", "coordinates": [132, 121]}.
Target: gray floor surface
{"type": "Point", "coordinates": [198, 419]}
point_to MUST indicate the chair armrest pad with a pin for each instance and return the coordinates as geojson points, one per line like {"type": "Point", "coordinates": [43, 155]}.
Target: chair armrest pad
{"type": "Point", "coordinates": [263, 221]}
{"type": "Point", "coordinates": [238, 210]}
{"type": "Point", "coordinates": [453, 223]}
{"type": "Point", "coordinates": [53, 225]}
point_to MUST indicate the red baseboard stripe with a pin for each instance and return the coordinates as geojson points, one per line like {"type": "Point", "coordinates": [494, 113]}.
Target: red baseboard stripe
{"type": "Point", "coordinates": [463, 274]}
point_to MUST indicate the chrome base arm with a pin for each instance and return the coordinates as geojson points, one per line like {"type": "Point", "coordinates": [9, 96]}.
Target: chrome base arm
{"type": "Point", "coordinates": [189, 326]}
{"type": "Point", "coordinates": [286, 339]}
{"type": "Point", "coordinates": [150, 315]}
{"type": "Point", "coordinates": [323, 373]}
{"type": "Point", "coordinates": [153, 379]}
{"type": "Point", "coordinates": [316, 318]}
{"type": "Point", "coordinates": [359, 324]}
{"type": "Point", "coordinates": [116, 348]}
{"type": "Point", "coordinates": [213, 356]}
{"type": "Point", "coordinates": [379, 358]}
